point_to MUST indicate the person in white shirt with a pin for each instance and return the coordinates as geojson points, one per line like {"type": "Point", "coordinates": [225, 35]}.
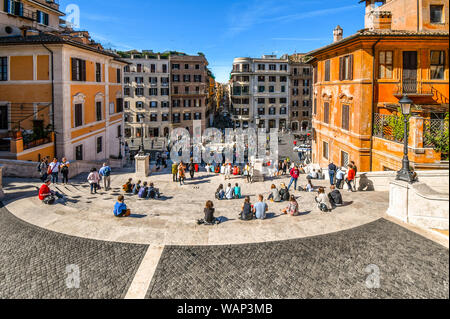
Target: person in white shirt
{"type": "Point", "coordinates": [53, 169]}
{"type": "Point", "coordinates": [340, 175]}
{"type": "Point", "coordinates": [229, 192]}
{"type": "Point", "coordinates": [228, 171]}
{"type": "Point", "coordinates": [323, 201]}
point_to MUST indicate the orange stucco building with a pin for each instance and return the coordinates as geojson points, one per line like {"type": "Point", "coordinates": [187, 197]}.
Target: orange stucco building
{"type": "Point", "coordinates": [358, 81]}
{"type": "Point", "coordinates": [61, 94]}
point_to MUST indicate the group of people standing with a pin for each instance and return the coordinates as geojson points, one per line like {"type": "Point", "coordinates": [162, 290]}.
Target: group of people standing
{"type": "Point", "coordinates": [53, 169]}
{"type": "Point", "coordinates": [339, 175]}
{"type": "Point", "coordinates": [95, 177]}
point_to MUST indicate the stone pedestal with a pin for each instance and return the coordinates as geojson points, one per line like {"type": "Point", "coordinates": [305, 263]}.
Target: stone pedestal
{"type": "Point", "coordinates": [258, 169]}
{"type": "Point", "coordinates": [398, 200]}
{"type": "Point", "coordinates": [142, 165]}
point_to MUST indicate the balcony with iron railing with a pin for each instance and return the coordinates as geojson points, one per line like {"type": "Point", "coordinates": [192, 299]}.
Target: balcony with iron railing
{"type": "Point", "coordinates": [413, 88]}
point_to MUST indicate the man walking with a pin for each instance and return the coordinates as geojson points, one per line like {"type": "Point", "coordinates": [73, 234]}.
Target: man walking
{"type": "Point", "coordinates": [295, 173]}
{"type": "Point", "coordinates": [105, 173]}
{"type": "Point", "coordinates": [332, 172]}
{"type": "Point", "coordinates": [42, 169]}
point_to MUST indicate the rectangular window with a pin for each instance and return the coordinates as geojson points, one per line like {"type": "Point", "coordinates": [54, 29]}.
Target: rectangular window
{"type": "Point", "coordinates": [165, 117]}
{"type": "Point", "coordinates": [315, 75]}
{"type": "Point", "coordinates": [78, 120]}
{"type": "Point", "coordinates": [126, 91]}
{"type": "Point", "coordinates": [436, 13]}
{"type": "Point", "coordinates": [99, 144]}
{"type": "Point", "coordinates": [153, 117]}
{"type": "Point", "coordinates": [283, 79]}
{"type": "Point", "coordinates": [327, 70]}
{"type": "Point", "coordinates": [98, 72]}
{"type": "Point", "coordinates": [152, 68]}
{"type": "Point", "coordinates": [186, 116]}
{"type": "Point", "coordinates": [326, 112]}
{"type": "Point", "coordinates": [164, 68]}
{"type": "Point", "coordinates": [261, 78]}
{"type": "Point", "coordinates": [42, 17]}
{"type": "Point", "coordinates": [272, 78]}
{"type": "Point", "coordinates": [78, 70]}
{"type": "Point", "coordinates": [79, 153]}
{"type": "Point", "coordinates": [386, 65]}
{"type": "Point", "coordinates": [261, 67]}
{"type": "Point", "coordinates": [272, 100]}
{"type": "Point", "coordinates": [98, 110]}
{"type": "Point", "coordinates": [118, 76]}
{"type": "Point", "coordinates": [437, 65]}
{"type": "Point", "coordinates": [197, 116]}
{"type": "Point", "coordinates": [119, 103]}
{"type": "Point", "coordinates": [3, 68]}
{"type": "Point", "coordinates": [325, 150]}
{"type": "Point", "coordinates": [139, 91]}
{"type": "Point", "coordinates": [153, 92]}
{"type": "Point", "coordinates": [283, 100]}
{"type": "Point", "coordinates": [261, 111]}
{"type": "Point", "coordinates": [186, 66]}
{"type": "Point", "coordinates": [261, 89]}
{"type": "Point", "coordinates": [272, 67]}
{"type": "Point", "coordinates": [261, 100]}
{"type": "Point", "coordinates": [346, 117]}
{"type": "Point", "coordinates": [164, 92]}
{"type": "Point", "coordinates": [4, 117]}
{"type": "Point", "coordinates": [119, 131]}
{"type": "Point", "coordinates": [315, 107]}
{"type": "Point", "coordinates": [346, 68]}
{"type": "Point", "coordinates": [175, 66]}
{"type": "Point", "coordinates": [345, 159]}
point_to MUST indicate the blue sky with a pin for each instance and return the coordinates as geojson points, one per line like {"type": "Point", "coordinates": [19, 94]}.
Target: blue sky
{"type": "Point", "coordinates": [222, 29]}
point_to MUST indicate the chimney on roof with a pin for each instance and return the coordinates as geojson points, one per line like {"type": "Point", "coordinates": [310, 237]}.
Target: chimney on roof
{"type": "Point", "coordinates": [338, 34]}
{"type": "Point", "coordinates": [382, 20]}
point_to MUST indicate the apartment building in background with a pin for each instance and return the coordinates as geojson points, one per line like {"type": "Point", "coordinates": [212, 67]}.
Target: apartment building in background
{"type": "Point", "coordinates": [300, 100]}
{"type": "Point", "coordinates": [359, 80]}
{"type": "Point", "coordinates": [60, 92]}
{"type": "Point", "coordinates": [146, 98]}
{"type": "Point", "coordinates": [260, 92]}
{"type": "Point", "coordinates": [189, 91]}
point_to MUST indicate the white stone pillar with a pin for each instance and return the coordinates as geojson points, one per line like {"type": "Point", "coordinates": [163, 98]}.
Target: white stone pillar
{"type": "Point", "coordinates": [142, 165]}
{"type": "Point", "coordinates": [398, 200]}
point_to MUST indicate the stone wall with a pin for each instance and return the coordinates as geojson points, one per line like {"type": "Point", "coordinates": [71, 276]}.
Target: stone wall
{"type": "Point", "coordinates": [418, 204]}
{"type": "Point", "coordinates": [26, 169]}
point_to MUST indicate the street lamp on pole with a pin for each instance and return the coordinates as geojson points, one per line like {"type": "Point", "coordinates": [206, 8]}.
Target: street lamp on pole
{"type": "Point", "coordinates": [141, 148]}
{"type": "Point", "coordinates": [405, 174]}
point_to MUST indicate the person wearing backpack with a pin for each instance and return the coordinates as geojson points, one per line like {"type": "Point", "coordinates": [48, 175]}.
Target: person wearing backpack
{"type": "Point", "coordinates": [105, 173]}
{"type": "Point", "coordinates": [247, 210]}
{"type": "Point", "coordinates": [143, 191]}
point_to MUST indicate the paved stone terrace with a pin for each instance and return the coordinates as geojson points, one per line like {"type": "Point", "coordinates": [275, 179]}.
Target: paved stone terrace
{"type": "Point", "coordinates": [330, 266]}
{"type": "Point", "coordinates": [34, 263]}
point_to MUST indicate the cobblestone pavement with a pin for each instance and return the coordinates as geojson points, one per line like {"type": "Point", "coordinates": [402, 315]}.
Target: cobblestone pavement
{"type": "Point", "coordinates": [34, 263]}
{"type": "Point", "coordinates": [331, 266]}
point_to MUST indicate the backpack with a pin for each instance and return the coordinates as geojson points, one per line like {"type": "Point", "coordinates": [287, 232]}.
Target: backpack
{"type": "Point", "coordinates": [107, 171]}
{"type": "Point", "coordinates": [323, 208]}
{"type": "Point", "coordinates": [39, 167]}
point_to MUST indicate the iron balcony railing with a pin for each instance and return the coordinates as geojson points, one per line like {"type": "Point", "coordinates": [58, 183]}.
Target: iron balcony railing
{"type": "Point", "coordinates": [413, 87]}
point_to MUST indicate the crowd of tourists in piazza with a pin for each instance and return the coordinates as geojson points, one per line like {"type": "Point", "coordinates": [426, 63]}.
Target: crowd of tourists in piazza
{"type": "Point", "coordinates": [52, 171]}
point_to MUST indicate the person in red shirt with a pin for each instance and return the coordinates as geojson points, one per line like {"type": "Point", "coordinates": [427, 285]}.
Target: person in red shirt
{"type": "Point", "coordinates": [351, 178]}
{"type": "Point", "coordinates": [46, 195]}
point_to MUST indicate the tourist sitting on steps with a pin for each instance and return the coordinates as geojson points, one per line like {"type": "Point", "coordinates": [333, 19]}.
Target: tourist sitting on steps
{"type": "Point", "coordinates": [137, 187]}
{"type": "Point", "coordinates": [292, 208]}
{"type": "Point", "coordinates": [46, 195]}
{"type": "Point", "coordinates": [220, 193]}
{"type": "Point", "coordinates": [284, 193]}
{"type": "Point", "coordinates": [143, 191]}
{"type": "Point", "coordinates": [152, 192]}
{"type": "Point", "coordinates": [274, 195]}
{"type": "Point", "coordinates": [120, 209]}
{"type": "Point", "coordinates": [128, 186]}
{"type": "Point", "coordinates": [335, 197]}
{"type": "Point", "coordinates": [247, 210]}
{"type": "Point", "coordinates": [209, 215]}
{"type": "Point", "coordinates": [237, 192]}
{"type": "Point", "coordinates": [323, 201]}
{"type": "Point", "coordinates": [260, 208]}
{"type": "Point", "coordinates": [229, 192]}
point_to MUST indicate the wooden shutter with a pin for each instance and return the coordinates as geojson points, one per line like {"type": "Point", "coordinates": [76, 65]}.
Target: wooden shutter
{"type": "Point", "coordinates": [83, 70]}
{"type": "Point", "coordinates": [350, 67]}
{"type": "Point", "coordinates": [341, 68]}
{"type": "Point", "coordinates": [345, 117]}
{"type": "Point", "coordinates": [78, 115]}
{"type": "Point", "coordinates": [74, 69]}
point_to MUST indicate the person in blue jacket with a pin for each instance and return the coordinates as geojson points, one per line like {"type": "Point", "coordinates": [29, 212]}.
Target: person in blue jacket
{"type": "Point", "coordinates": [120, 209]}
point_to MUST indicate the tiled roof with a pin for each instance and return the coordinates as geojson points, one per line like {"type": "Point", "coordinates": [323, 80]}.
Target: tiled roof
{"type": "Point", "coordinates": [50, 38]}
{"type": "Point", "coordinates": [382, 33]}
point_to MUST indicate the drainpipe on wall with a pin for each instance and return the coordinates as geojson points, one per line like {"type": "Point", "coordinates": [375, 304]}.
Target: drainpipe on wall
{"type": "Point", "coordinates": [418, 17]}
{"type": "Point", "coordinates": [53, 98]}
{"type": "Point", "coordinates": [373, 101]}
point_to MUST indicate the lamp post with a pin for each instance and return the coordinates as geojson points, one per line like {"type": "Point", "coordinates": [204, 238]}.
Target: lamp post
{"type": "Point", "coordinates": [141, 148]}
{"type": "Point", "coordinates": [405, 174]}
